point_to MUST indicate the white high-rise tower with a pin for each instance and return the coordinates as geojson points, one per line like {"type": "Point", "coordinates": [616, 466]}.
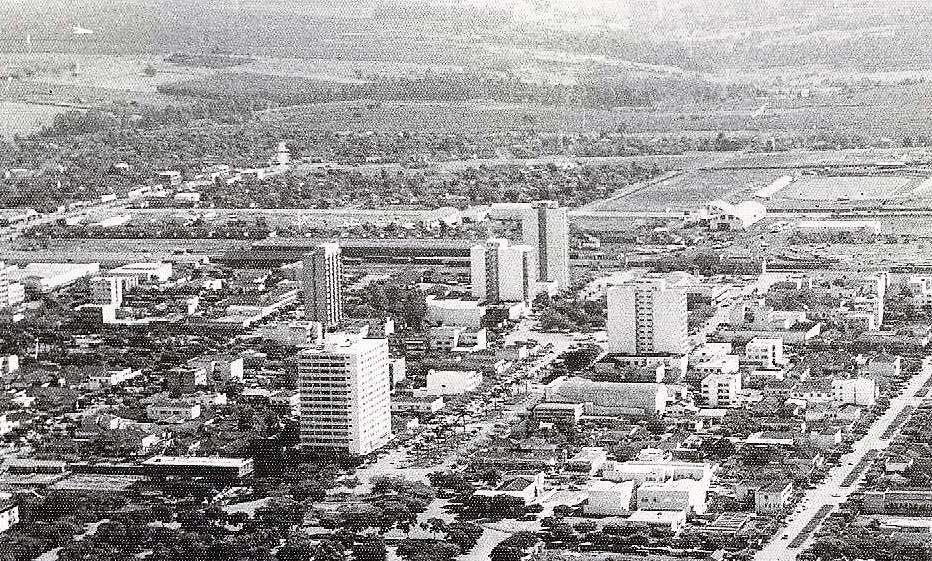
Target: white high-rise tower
{"type": "Point", "coordinates": [345, 394]}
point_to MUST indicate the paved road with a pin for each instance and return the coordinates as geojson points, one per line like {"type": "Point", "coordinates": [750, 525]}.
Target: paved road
{"type": "Point", "coordinates": [830, 491]}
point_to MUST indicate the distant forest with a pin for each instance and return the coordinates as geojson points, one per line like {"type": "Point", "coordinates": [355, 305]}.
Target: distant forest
{"type": "Point", "coordinates": [255, 91]}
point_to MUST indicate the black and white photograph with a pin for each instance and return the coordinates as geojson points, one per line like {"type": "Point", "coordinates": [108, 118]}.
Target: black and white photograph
{"type": "Point", "coordinates": [465, 280]}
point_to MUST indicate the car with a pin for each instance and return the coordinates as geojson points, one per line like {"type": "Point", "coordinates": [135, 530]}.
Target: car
{"type": "Point", "coordinates": [836, 495]}
{"type": "Point", "coordinates": [785, 537]}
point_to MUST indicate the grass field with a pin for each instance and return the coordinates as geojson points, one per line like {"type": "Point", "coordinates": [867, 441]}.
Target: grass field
{"type": "Point", "coordinates": [18, 118]}
{"type": "Point", "coordinates": [851, 188]}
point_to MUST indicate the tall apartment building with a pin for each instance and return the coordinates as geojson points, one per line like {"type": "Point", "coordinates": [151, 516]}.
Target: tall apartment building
{"type": "Point", "coordinates": [546, 228]}
{"type": "Point", "coordinates": [322, 284]}
{"type": "Point", "coordinates": [646, 317]}
{"type": "Point", "coordinates": [345, 402]}
{"type": "Point", "coordinates": [502, 272]}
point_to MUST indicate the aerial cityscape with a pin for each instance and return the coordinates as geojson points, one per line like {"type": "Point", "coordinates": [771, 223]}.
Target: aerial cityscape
{"type": "Point", "coordinates": [438, 280]}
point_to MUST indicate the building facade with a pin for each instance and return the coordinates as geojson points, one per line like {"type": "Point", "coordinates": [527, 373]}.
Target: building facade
{"type": "Point", "coordinates": [502, 272]}
{"type": "Point", "coordinates": [345, 395]}
{"type": "Point", "coordinates": [647, 317]}
{"type": "Point", "coordinates": [546, 228]}
{"type": "Point", "coordinates": [323, 288]}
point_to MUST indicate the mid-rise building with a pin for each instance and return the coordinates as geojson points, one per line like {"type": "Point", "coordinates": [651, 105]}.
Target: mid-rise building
{"type": "Point", "coordinates": [109, 290]}
{"type": "Point", "coordinates": [546, 229]}
{"type": "Point", "coordinates": [323, 285]}
{"type": "Point", "coordinates": [502, 272]}
{"type": "Point", "coordinates": [345, 394]}
{"type": "Point", "coordinates": [765, 351]}
{"type": "Point", "coordinates": [722, 390]}
{"type": "Point", "coordinates": [647, 317]}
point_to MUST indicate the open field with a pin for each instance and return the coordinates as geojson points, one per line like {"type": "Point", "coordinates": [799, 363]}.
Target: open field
{"type": "Point", "coordinates": [18, 118]}
{"type": "Point", "coordinates": [851, 188]}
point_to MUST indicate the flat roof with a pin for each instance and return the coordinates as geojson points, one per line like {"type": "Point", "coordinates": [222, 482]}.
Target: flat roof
{"type": "Point", "coordinates": [211, 461]}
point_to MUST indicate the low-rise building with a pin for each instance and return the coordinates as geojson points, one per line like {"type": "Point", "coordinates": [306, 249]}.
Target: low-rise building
{"type": "Point", "coordinates": [589, 460]}
{"type": "Point", "coordinates": [197, 466]}
{"type": "Point", "coordinates": [672, 520]}
{"type": "Point", "coordinates": [856, 391]}
{"type": "Point", "coordinates": [558, 413]}
{"type": "Point", "coordinates": [773, 497]}
{"type": "Point", "coordinates": [680, 494]}
{"type": "Point", "coordinates": [452, 382]}
{"type": "Point", "coordinates": [426, 405]}
{"type": "Point", "coordinates": [173, 410]}
{"type": "Point", "coordinates": [608, 498]}
{"type": "Point", "coordinates": [528, 488]}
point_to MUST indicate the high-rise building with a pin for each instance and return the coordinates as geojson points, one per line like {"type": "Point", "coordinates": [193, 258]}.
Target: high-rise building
{"type": "Point", "coordinates": [345, 394]}
{"type": "Point", "coordinates": [502, 272]}
{"type": "Point", "coordinates": [546, 229]}
{"type": "Point", "coordinates": [323, 288]}
{"type": "Point", "coordinates": [646, 317]}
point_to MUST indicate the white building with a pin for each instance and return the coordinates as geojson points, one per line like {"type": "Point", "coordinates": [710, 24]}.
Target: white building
{"type": "Point", "coordinates": [726, 216]}
{"type": "Point", "coordinates": [9, 512]}
{"type": "Point", "coordinates": [607, 498]}
{"type": "Point", "coordinates": [173, 410]}
{"type": "Point", "coordinates": [292, 334]}
{"type": "Point", "coordinates": [765, 351]}
{"type": "Point", "coordinates": [722, 390]}
{"type": "Point", "coordinates": [921, 290]}
{"type": "Point", "coordinates": [546, 228]}
{"type": "Point", "coordinates": [457, 339]}
{"type": "Point", "coordinates": [144, 272]}
{"type": "Point", "coordinates": [646, 317]}
{"type": "Point", "coordinates": [323, 288]}
{"type": "Point", "coordinates": [452, 382]}
{"type": "Point", "coordinates": [502, 272]}
{"type": "Point", "coordinates": [680, 494]}
{"type": "Point", "coordinates": [455, 311]}
{"type": "Point", "coordinates": [108, 378]}
{"type": "Point", "coordinates": [345, 394]}
{"type": "Point", "coordinates": [720, 364]}
{"type": "Point", "coordinates": [11, 293]}
{"type": "Point", "coordinates": [46, 277]}
{"type": "Point", "coordinates": [609, 398]}
{"type": "Point", "coordinates": [856, 391]}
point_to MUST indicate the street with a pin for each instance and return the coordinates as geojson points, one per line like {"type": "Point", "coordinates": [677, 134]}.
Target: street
{"type": "Point", "coordinates": [831, 491]}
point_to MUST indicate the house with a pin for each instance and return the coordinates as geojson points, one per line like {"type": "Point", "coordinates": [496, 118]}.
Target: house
{"type": "Point", "coordinates": [607, 498]}
{"type": "Point", "coordinates": [528, 488]}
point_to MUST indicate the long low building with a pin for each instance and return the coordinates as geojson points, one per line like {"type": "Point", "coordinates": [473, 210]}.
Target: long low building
{"type": "Point", "coordinates": [863, 227]}
{"type": "Point", "coordinates": [197, 466]}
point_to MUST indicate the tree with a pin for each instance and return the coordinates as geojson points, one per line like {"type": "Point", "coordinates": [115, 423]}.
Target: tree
{"type": "Point", "coordinates": [464, 534]}
{"type": "Point", "coordinates": [427, 550]}
{"type": "Point", "coordinates": [369, 548]}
